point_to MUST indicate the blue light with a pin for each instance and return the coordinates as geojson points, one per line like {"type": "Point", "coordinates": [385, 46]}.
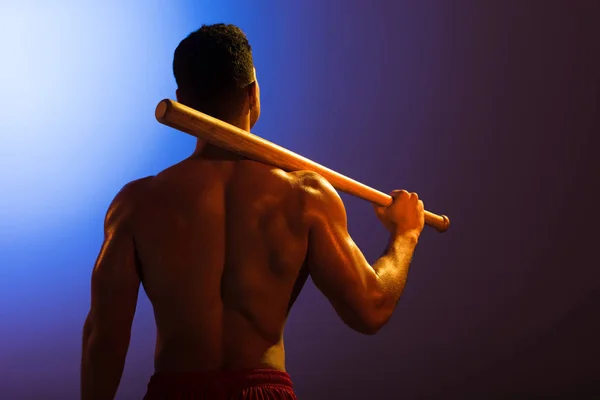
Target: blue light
{"type": "Point", "coordinates": [80, 82]}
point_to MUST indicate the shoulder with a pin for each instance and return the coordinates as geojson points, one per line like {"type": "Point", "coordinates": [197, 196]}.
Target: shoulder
{"type": "Point", "coordinates": [126, 200]}
{"type": "Point", "coordinates": [319, 197]}
{"type": "Point", "coordinates": [315, 186]}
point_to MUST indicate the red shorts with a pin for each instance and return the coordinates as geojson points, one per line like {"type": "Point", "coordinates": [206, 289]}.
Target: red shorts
{"type": "Point", "coordinates": [259, 384]}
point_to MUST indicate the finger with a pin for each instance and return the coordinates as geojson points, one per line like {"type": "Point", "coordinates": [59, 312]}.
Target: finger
{"type": "Point", "coordinates": [399, 193]}
{"type": "Point", "coordinates": [378, 208]}
{"type": "Point", "coordinates": [412, 198]}
{"type": "Point", "coordinates": [379, 211]}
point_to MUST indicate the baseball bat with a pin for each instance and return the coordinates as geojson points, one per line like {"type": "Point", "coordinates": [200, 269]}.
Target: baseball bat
{"type": "Point", "coordinates": [234, 139]}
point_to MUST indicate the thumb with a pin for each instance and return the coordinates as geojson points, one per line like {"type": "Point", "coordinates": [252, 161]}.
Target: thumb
{"type": "Point", "coordinates": [379, 210]}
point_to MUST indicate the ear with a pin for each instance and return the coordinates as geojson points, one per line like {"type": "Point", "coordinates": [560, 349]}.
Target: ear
{"type": "Point", "coordinates": [252, 95]}
{"type": "Point", "coordinates": [253, 92]}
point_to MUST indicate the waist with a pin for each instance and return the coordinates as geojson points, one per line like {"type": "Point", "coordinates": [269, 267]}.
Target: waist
{"type": "Point", "coordinates": [214, 379]}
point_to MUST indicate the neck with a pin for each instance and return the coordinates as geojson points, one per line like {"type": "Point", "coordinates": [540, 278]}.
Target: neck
{"type": "Point", "coordinates": [210, 151]}
{"type": "Point", "coordinates": [242, 122]}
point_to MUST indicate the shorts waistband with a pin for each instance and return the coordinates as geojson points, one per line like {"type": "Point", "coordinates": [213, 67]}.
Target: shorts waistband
{"type": "Point", "coordinates": [239, 378]}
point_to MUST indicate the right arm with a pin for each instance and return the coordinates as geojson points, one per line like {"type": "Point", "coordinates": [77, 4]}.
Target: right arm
{"type": "Point", "coordinates": [364, 296]}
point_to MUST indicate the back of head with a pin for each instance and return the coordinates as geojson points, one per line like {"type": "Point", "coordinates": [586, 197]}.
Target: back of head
{"type": "Point", "coordinates": [213, 68]}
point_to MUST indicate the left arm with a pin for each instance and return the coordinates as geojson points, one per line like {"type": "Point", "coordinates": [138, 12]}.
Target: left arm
{"type": "Point", "coordinates": [115, 287]}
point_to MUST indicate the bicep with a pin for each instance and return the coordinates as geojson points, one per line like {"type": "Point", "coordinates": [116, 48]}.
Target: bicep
{"type": "Point", "coordinates": [115, 279]}
{"type": "Point", "coordinates": [337, 266]}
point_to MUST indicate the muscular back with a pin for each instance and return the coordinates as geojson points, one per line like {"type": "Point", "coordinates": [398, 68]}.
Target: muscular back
{"type": "Point", "coordinates": [221, 246]}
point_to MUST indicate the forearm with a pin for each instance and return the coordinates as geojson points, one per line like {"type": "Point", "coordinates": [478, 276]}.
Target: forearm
{"type": "Point", "coordinates": [102, 363]}
{"type": "Point", "coordinates": [392, 271]}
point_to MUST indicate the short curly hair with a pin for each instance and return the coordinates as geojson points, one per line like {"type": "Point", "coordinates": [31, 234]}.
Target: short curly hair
{"type": "Point", "coordinates": [213, 66]}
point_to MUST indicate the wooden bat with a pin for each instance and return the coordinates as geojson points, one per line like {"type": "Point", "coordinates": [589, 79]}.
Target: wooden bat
{"type": "Point", "coordinates": [234, 139]}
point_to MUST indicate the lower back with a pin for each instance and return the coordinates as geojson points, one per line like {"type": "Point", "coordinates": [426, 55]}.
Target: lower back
{"type": "Point", "coordinates": [212, 348]}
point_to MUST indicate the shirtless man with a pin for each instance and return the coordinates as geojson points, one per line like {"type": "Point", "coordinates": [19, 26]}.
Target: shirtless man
{"type": "Point", "coordinates": [223, 245]}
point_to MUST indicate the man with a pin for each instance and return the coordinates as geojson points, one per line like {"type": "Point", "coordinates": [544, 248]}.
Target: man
{"type": "Point", "coordinates": [223, 245]}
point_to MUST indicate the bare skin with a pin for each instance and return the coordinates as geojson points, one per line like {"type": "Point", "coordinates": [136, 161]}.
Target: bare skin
{"type": "Point", "coordinates": [222, 263]}
{"type": "Point", "coordinates": [223, 246]}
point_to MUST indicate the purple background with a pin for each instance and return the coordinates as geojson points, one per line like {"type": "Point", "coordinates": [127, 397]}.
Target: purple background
{"type": "Point", "coordinates": [488, 109]}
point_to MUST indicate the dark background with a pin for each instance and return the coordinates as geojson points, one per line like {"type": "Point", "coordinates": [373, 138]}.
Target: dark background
{"type": "Point", "coordinates": [488, 109]}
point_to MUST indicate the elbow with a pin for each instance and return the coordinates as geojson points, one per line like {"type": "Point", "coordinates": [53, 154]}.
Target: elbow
{"type": "Point", "coordinates": [373, 324]}
{"type": "Point", "coordinates": [97, 336]}
{"type": "Point", "coordinates": [375, 316]}
{"type": "Point", "coordinates": [100, 347]}
{"type": "Point", "coordinates": [367, 326]}
{"type": "Point", "coordinates": [369, 329]}
{"type": "Point", "coordinates": [87, 327]}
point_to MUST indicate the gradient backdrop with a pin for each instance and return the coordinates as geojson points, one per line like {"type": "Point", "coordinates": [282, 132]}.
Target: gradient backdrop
{"type": "Point", "coordinates": [488, 109]}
